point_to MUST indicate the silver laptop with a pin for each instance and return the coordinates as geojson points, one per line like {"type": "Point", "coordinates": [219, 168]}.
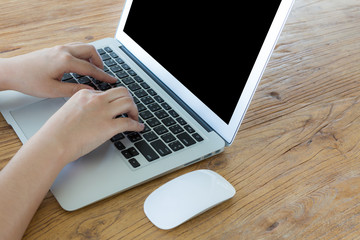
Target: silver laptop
{"type": "Point", "coordinates": [192, 69]}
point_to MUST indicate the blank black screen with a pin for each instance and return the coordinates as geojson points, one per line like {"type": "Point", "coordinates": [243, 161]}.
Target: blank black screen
{"type": "Point", "coordinates": [209, 46]}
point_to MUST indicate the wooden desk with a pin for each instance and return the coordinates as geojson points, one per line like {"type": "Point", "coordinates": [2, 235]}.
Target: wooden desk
{"type": "Point", "coordinates": [295, 162]}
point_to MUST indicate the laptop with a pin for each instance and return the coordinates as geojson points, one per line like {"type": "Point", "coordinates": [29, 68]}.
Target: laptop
{"type": "Point", "coordinates": [192, 70]}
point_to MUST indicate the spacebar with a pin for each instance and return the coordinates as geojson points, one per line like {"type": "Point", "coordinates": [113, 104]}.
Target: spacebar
{"type": "Point", "coordinates": [146, 150]}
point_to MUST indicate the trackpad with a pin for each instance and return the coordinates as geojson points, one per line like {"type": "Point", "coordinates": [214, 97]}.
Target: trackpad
{"type": "Point", "coordinates": [32, 117]}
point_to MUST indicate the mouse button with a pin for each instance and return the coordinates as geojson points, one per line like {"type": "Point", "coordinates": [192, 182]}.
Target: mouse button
{"type": "Point", "coordinates": [220, 185]}
{"type": "Point", "coordinates": [164, 207]}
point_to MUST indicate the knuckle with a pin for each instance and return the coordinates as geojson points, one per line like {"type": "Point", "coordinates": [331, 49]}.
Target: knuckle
{"type": "Point", "coordinates": [82, 94]}
{"type": "Point", "coordinates": [124, 91]}
{"type": "Point", "coordinates": [59, 49]}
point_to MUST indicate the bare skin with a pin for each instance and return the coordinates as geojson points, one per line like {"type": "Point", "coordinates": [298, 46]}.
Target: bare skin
{"type": "Point", "coordinates": [26, 179]}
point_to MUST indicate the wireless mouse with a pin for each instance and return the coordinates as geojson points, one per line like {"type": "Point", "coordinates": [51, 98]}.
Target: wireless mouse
{"type": "Point", "coordinates": [185, 197]}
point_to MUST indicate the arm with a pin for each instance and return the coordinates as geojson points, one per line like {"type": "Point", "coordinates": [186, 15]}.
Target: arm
{"type": "Point", "coordinates": [28, 176]}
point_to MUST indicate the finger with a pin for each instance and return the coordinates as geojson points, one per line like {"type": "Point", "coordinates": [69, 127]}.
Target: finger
{"type": "Point", "coordinates": [115, 93]}
{"type": "Point", "coordinates": [62, 89]}
{"type": "Point", "coordinates": [127, 124]}
{"type": "Point", "coordinates": [85, 68]}
{"type": "Point", "coordinates": [124, 105]}
{"type": "Point", "coordinates": [86, 52]}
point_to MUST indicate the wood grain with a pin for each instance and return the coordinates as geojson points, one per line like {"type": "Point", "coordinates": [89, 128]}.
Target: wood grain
{"type": "Point", "coordinates": [294, 163]}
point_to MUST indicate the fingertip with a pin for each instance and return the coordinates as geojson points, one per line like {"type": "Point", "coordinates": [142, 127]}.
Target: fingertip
{"type": "Point", "coordinates": [141, 126]}
{"type": "Point", "coordinates": [110, 78]}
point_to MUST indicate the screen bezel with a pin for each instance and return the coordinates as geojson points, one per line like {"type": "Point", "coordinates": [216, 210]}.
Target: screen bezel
{"type": "Point", "coordinates": [226, 130]}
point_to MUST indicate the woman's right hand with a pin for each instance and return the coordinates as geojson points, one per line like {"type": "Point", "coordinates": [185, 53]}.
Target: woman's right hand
{"type": "Point", "coordinates": [88, 119]}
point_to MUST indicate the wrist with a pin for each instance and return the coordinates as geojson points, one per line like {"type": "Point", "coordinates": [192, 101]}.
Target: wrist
{"type": "Point", "coordinates": [53, 153]}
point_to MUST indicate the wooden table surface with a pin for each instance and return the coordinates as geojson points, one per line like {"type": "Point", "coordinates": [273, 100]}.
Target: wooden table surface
{"type": "Point", "coordinates": [295, 162]}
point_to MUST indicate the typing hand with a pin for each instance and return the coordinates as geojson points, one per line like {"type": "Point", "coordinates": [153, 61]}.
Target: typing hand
{"type": "Point", "coordinates": [39, 73]}
{"type": "Point", "coordinates": [88, 119]}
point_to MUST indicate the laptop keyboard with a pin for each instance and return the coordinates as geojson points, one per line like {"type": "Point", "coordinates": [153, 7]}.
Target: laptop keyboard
{"type": "Point", "coordinates": [165, 131]}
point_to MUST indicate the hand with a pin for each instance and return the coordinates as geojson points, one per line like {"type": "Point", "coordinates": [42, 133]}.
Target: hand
{"type": "Point", "coordinates": [39, 73]}
{"type": "Point", "coordinates": [88, 119]}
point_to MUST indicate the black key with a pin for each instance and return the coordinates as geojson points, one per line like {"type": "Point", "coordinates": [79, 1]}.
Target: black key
{"type": "Point", "coordinates": [114, 55]}
{"type": "Point", "coordinates": [141, 93]}
{"type": "Point", "coordinates": [132, 73]}
{"type": "Point", "coordinates": [105, 57]}
{"type": "Point", "coordinates": [70, 80]}
{"type": "Point", "coordinates": [84, 80]}
{"type": "Point", "coordinates": [66, 76]}
{"type": "Point", "coordinates": [154, 107]}
{"type": "Point", "coordinates": [189, 129]}
{"type": "Point", "coordinates": [157, 97]}
{"type": "Point", "coordinates": [173, 113]}
{"type": "Point", "coordinates": [122, 74]}
{"type": "Point", "coordinates": [119, 145]}
{"type": "Point", "coordinates": [138, 79]}
{"type": "Point", "coordinates": [153, 122]}
{"type": "Point", "coordinates": [165, 106]}
{"type": "Point", "coordinates": [116, 68]}
{"type": "Point", "coordinates": [134, 163]}
{"type": "Point", "coordinates": [168, 137]}
{"type": "Point", "coordinates": [168, 121]}
{"type": "Point", "coordinates": [108, 49]}
{"type": "Point", "coordinates": [176, 146]}
{"type": "Point", "coordinates": [160, 130]}
{"type": "Point", "coordinates": [128, 80]}
{"type": "Point", "coordinates": [97, 81]}
{"type": "Point", "coordinates": [119, 60]}
{"type": "Point", "coordinates": [146, 150]}
{"type": "Point", "coordinates": [125, 66]}
{"type": "Point", "coordinates": [176, 129]}
{"type": "Point", "coordinates": [110, 62]}
{"type": "Point", "coordinates": [153, 93]}
{"type": "Point", "coordinates": [146, 114]}
{"type": "Point", "coordinates": [147, 100]}
{"type": "Point", "coordinates": [145, 85]}
{"type": "Point", "coordinates": [77, 75]}
{"type": "Point", "coordinates": [136, 100]}
{"type": "Point", "coordinates": [101, 51]}
{"type": "Point", "coordinates": [186, 139]}
{"type": "Point", "coordinates": [140, 107]}
{"type": "Point", "coordinates": [197, 137]}
{"type": "Point", "coordinates": [160, 147]}
{"type": "Point", "coordinates": [133, 151]}
{"type": "Point", "coordinates": [117, 137]}
{"type": "Point", "coordinates": [161, 114]}
{"type": "Point", "coordinates": [181, 121]}
{"type": "Point", "coordinates": [134, 136]}
{"type": "Point", "coordinates": [104, 86]}
{"type": "Point", "coordinates": [150, 136]}
{"type": "Point", "coordinates": [126, 154]}
{"type": "Point", "coordinates": [134, 87]}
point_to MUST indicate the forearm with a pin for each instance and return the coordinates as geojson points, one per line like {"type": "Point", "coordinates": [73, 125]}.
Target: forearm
{"type": "Point", "coordinates": [23, 184]}
{"type": "Point", "coordinates": [5, 73]}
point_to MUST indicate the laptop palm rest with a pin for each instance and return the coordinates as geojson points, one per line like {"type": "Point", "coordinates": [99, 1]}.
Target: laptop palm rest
{"type": "Point", "coordinates": [31, 118]}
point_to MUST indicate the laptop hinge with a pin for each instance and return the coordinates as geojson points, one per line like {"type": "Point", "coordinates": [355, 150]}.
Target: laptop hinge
{"type": "Point", "coordinates": [166, 89]}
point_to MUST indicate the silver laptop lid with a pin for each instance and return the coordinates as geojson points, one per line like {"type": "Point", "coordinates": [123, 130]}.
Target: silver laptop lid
{"type": "Point", "coordinates": [211, 55]}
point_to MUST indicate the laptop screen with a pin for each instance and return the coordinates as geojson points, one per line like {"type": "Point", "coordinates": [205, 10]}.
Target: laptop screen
{"type": "Point", "coordinates": [210, 54]}
{"type": "Point", "coordinates": [209, 47]}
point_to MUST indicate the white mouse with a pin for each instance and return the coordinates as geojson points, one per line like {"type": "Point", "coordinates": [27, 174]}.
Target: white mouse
{"type": "Point", "coordinates": [185, 197]}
